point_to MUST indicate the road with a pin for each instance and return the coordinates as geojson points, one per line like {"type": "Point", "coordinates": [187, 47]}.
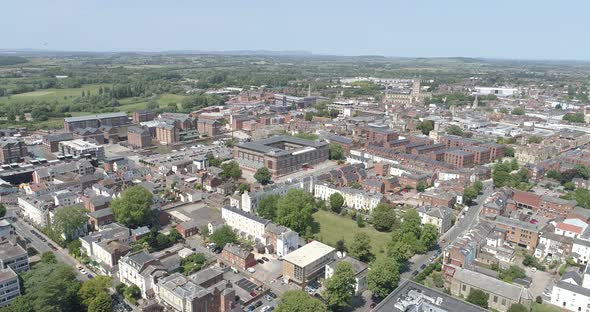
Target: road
{"type": "Point", "coordinates": [23, 230]}
{"type": "Point", "coordinates": [460, 227]}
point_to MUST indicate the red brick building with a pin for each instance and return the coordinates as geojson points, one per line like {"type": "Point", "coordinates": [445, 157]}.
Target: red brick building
{"type": "Point", "coordinates": [238, 257]}
{"type": "Point", "coordinates": [481, 154]}
{"type": "Point", "coordinates": [381, 135]}
{"type": "Point", "coordinates": [209, 126]}
{"type": "Point", "coordinates": [188, 228]}
{"type": "Point", "coordinates": [459, 158]}
{"type": "Point", "coordinates": [139, 137]}
{"type": "Point", "coordinates": [142, 116]}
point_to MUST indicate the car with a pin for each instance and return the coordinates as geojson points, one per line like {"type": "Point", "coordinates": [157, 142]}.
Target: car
{"type": "Point", "coordinates": [423, 266]}
{"type": "Point", "coordinates": [533, 269]}
{"type": "Point", "coordinates": [237, 298]}
{"type": "Point", "coordinates": [265, 259]}
{"type": "Point", "coordinates": [258, 304]}
{"type": "Point", "coordinates": [89, 276]}
{"type": "Point", "coordinates": [83, 271]}
{"type": "Point", "coordinates": [260, 261]}
{"type": "Point", "coordinates": [251, 270]}
{"type": "Point", "coordinates": [373, 305]}
{"type": "Point", "coordinates": [268, 298]}
{"type": "Point", "coordinates": [273, 295]}
{"type": "Point", "coordinates": [267, 309]}
{"type": "Point", "coordinates": [251, 307]}
{"type": "Point", "coordinates": [253, 294]}
{"type": "Point", "coordinates": [414, 273]}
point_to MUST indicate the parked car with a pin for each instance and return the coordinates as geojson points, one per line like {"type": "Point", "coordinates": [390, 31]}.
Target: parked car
{"type": "Point", "coordinates": [253, 294]}
{"type": "Point", "coordinates": [89, 276]}
{"type": "Point", "coordinates": [423, 266]}
{"type": "Point", "coordinates": [251, 270]}
{"type": "Point", "coordinates": [414, 273]}
{"type": "Point", "coordinates": [259, 261]}
{"type": "Point", "coordinates": [273, 295]}
{"type": "Point", "coordinates": [265, 259]}
{"type": "Point", "coordinates": [258, 304]}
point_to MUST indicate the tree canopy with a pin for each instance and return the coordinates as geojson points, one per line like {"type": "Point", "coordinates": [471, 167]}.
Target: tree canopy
{"type": "Point", "coordinates": [223, 235]}
{"type": "Point", "coordinates": [263, 175]}
{"type": "Point", "coordinates": [383, 277]}
{"type": "Point", "coordinates": [267, 207]}
{"type": "Point", "coordinates": [339, 288]}
{"type": "Point", "coordinates": [294, 210]}
{"type": "Point", "coordinates": [478, 297]}
{"type": "Point", "coordinates": [69, 219]}
{"type": "Point", "coordinates": [336, 202]}
{"type": "Point", "coordinates": [336, 152]}
{"type": "Point", "coordinates": [231, 170]}
{"type": "Point", "coordinates": [133, 207]}
{"type": "Point", "coordinates": [360, 247]}
{"type": "Point", "coordinates": [383, 217]}
{"type": "Point", "coordinates": [299, 301]}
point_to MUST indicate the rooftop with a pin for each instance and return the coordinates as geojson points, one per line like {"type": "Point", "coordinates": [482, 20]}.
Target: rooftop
{"type": "Point", "coordinates": [98, 116]}
{"type": "Point", "coordinates": [309, 253]}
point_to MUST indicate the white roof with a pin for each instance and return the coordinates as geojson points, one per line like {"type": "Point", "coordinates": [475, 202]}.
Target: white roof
{"type": "Point", "coordinates": [308, 253]}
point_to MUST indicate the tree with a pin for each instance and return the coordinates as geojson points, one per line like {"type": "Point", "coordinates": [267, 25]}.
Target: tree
{"type": "Point", "coordinates": [74, 248]}
{"type": "Point", "coordinates": [582, 171]}
{"type": "Point", "coordinates": [267, 208]}
{"type": "Point", "coordinates": [263, 175]}
{"type": "Point", "coordinates": [69, 219]}
{"type": "Point", "coordinates": [162, 240]}
{"type": "Point", "coordinates": [429, 236]}
{"type": "Point", "coordinates": [48, 257]}
{"type": "Point", "coordinates": [2, 210]}
{"type": "Point", "coordinates": [132, 293]}
{"type": "Point", "coordinates": [478, 297]}
{"type": "Point", "coordinates": [340, 245]}
{"type": "Point", "coordinates": [383, 277]}
{"type": "Point", "coordinates": [336, 152]}
{"type": "Point", "coordinates": [500, 178]}
{"type": "Point", "coordinates": [360, 221]}
{"type": "Point", "coordinates": [223, 235]}
{"type": "Point", "coordinates": [360, 247]}
{"type": "Point", "coordinates": [412, 223]}
{"type": "Point", "coordinates": [294, 210]}
{"type": "Point", "coordinates": [340, 287]}
{"type": "Point", "coordinates": [103, 302]}
{"type": "Point", "coordinates": [519, 111]}
{"type": "Point", "coordinates": [336, 202]}
{"type": "Point", "coordinates": [425, 126]}
{"type": "Point", "coordinates": [517, 307]}
{"type": "Point", "coordinates": [582, 197]}
{"type": "Point", "coordinates": [244, 187]}
{"type": "Point", "coordinates": [469, 194]}
{"type": "Point", "coordinates": [421, 186]}
{"type": "Point", "coordinates": [49, 287]}
{"type": "Point", "coordinates": [174, 236]}
{"type": "Point", "coordinates": [299, 301]}
{"type": "Point", "coordinates": [478, 185]}
{"type": "Point", "coordinates": [231, 170]}
{"type": "Point", "coordinates": [569, 186]}
{"type": "Point", "coordinates": [383, 217]}
{"type": "Point", "coordinates": [133, 207]}
{"type": "Point", "coordinates": [91, 288]}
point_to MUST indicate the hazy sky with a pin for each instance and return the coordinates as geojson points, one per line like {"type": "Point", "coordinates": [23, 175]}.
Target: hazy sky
{"type": "Point", "coordinates": [539, 29]}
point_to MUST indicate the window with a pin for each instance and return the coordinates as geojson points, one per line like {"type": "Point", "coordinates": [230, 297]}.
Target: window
{"type": "Point", "coordinates": [503, 302]}
{"type": "Point", "coordinates": [464, 288]}
{"type": "Point", "coordinates": [495, 299]}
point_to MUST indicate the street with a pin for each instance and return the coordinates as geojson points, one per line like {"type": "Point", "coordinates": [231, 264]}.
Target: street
{"type": "Point", "coordinates": [457, 230]}
{"type": "Point", "coordinates": [23, 230]}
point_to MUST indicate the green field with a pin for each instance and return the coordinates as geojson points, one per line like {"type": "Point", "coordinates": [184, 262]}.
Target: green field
{"type": "Point", "coordinates": [334, 227]}
{"type": "Point", "coordinates": [50, 95]}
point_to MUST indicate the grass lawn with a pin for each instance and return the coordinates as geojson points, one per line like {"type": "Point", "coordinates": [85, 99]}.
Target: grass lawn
{"type": "Point", "coordinates": [334, 227]}
{"type": "Point", "coordinates": [544, 308]}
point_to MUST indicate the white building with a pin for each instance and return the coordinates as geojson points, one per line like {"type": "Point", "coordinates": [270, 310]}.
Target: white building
{"type": "Point", "coordinates": [353, 198]}
{"type": "Point", "coordinates": [441, 217]}
{"type": "Point", "coordinates": [283, 239]}
{"type": "Point", "coordinates": [247, 225]}
{"type": "Point", "coordinates": [9, 286]}
{"type": "Point", "coordinates": [36, 209]}
{"type": "Point", "coordinates": [360, 273]}
{"type": "Point", "coordinates": [572, 292]}
{"type": "Point", "coordinates": [250, 200]}
{"type": "Point", "coordinates": [65, 198]}
{"type": "Point", "coordinates": [500, 92]}
{"type": "Point", "coordinates": [81, 148]}
{"type": "Point", "coordinates": [14, 257]}
{"type": "Point", "coordinates": [140, 269]}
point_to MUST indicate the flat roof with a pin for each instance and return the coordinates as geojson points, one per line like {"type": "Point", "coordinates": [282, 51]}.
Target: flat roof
{"type": "Point", "coordinates": [309, 253]}
{"type": "Point", "coordinates": [97, 116]}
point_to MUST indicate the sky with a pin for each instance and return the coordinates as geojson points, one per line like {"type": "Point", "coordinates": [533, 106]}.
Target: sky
{"type": "Point", "coordinates": [515, 29]}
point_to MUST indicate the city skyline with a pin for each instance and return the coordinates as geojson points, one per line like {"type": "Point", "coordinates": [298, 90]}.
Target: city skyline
{"type": "Point", "coordinates": [506, 30]}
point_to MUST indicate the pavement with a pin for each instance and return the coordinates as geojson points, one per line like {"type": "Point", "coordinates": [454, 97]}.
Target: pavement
{"type": "Point", "coordinates": [24, 229]}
